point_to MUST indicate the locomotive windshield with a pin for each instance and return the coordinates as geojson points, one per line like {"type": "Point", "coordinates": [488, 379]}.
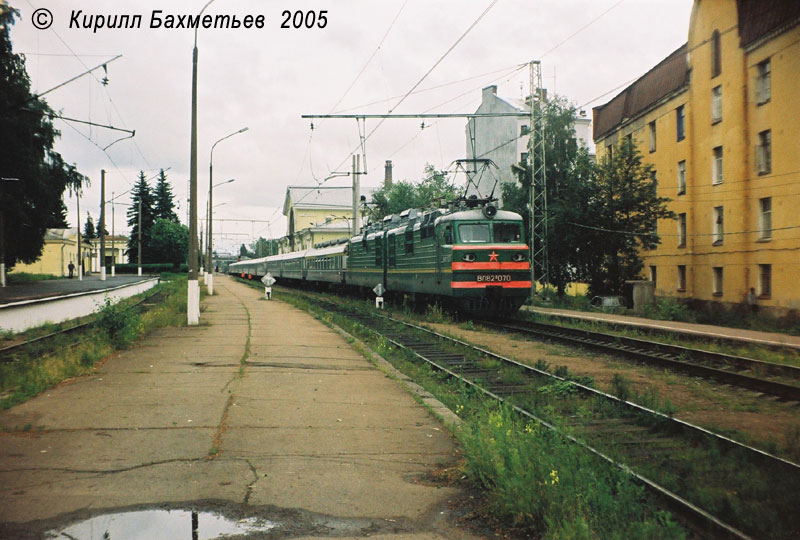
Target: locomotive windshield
{"type": "Point", "coordinates": [481, 233]}
{"type": "Point", "coordinates": [507, 233]}
{"type": "Point", "coordinates": [473, 233]}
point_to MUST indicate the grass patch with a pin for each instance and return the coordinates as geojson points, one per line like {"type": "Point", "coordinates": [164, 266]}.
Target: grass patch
{"type": "Point", "coordinates": [25, 277]}
{"type": "Point", "coordinates": [539, 482]}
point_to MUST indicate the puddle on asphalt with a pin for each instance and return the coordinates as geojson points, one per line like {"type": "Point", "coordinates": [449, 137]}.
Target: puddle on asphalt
{"type": "Point", "coordinates": [173, 524]}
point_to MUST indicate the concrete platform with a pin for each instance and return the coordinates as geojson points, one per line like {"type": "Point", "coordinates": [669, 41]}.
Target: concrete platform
{"type": "Point", "coordinates": [48, 288]}
{"type": "Point", "coordinates": [299, 428]}
{"type": "Point", "coordinates": [754, 337]}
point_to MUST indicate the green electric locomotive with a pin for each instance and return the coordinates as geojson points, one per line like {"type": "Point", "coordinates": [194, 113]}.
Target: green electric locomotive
{"type": "Point", "coordinates": [469, 255]}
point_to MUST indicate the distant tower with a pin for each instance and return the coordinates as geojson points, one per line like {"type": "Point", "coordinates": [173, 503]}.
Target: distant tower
{"type": "Point", "coordinates": [387, 174]}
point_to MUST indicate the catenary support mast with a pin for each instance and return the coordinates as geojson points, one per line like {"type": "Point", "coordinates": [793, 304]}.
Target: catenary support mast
{"type": "Point", "coordinates": [538, 188]}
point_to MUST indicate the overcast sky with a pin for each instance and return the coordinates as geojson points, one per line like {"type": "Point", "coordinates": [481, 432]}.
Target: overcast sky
{"type": "Point", "coordinates": [265, 79]}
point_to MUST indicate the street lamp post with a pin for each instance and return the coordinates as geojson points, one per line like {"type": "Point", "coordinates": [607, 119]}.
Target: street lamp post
{"type": "Point", "coordinates": [193, 292]}
{"type": "Point", "coordinates": [209, 262]}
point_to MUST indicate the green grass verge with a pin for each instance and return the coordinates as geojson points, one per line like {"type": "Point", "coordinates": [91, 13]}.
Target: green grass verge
{"type": "Point", "coordinates": [25, 277]}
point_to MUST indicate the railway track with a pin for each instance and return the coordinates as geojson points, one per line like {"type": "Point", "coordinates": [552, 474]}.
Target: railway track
{"type": "Point", "coordinates": [12, 353]}
{"type": "Point", "coordinates": [724, 368]}
{"type": "Point", "coordinates": [642, 442]}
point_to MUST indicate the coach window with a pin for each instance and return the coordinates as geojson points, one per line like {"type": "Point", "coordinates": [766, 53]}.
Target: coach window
{"type": "Point", "coordinates": [473, 233]}
{"type": "Point", "coordinates": [447, 235]}
{"type": "Point", "coordinates": [506, 233]}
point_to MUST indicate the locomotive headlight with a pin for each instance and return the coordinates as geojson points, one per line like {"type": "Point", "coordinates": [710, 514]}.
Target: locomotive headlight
{"type": "Point", "coordinates": [468, 257]}
{"type": "Point", "coordinates": [518, 257]}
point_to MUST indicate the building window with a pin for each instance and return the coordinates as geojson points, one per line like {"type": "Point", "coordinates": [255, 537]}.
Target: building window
{"type": "Point", "coordinates": [682, 229]}
{"type": "Point", "coordinates": [765, 218]}
{"type": "Point", "coordinates": [651, 128]}
{"type": "Point", "coordinates": [653, 274]}
{"type": "Point", "coordinates": [680, 119]}
{"type": "Point", "coordinates": [716, 166]}
{"type": "Point", "coordinates": [716, 54]}
{"type": "Point", "coordinates": [718, 225]}
{"type": "Point", "coordinates": [524, 130]}
{"type": "Point", "coordinates": [763, 82]}
{"type": "Point", "coordinates": [681, 277]}
{"type": "Point", "coordinates": [765, 280]}
{"type": "Point", "coordinates": [717, 280]}
{"type": "Point", "coordinates": [681, 177]}
{"type": "Point", "coordinates": [764, 152]}
{"type": "Point", "coordinates": [610, 152]}
{"type": "Point", "coordinates": [716, 104]}
{"type": "Point", "coordinates": [523, 158]}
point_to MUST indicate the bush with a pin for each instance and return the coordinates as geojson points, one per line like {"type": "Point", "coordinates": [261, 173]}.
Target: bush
{"type": "Point", "coordinates": [149, 269]}
{"type": "Point", "coordinates": [670, 309]}
{"type": "Point", "coordinates": [123, 326]}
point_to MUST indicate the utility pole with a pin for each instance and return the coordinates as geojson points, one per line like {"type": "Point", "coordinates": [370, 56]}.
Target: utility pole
{"type": "Point", "coordinates": [80, 254]}
{"type": "Point", "coordinates": [356, 192]}
{"type": "Point", "coordinates": [139, 259]}
{"type": "Point", "coordinates": [113, 241]}
{"type": "Point", "coordinates": [538, 187]}
{"type": "Point", "coordinates": [102, 224]}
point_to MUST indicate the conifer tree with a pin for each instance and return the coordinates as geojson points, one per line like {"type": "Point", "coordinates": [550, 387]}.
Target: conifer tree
{"type": "Point", "coordinates": [88, 228]}
{"type": "Point", "coordinates": [141, 192]}
{"type": "Point", "coordinates": [164, 200]}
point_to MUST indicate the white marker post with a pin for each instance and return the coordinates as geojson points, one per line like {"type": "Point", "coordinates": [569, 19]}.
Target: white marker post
{"type": "Point", "coordinates": [379, 290]}
{"type": "Point", "coordinates": [268, 282]}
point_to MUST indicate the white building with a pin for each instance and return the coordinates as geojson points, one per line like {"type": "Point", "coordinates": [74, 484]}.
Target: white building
{"type": "Point", "coordinates": [504, 140]}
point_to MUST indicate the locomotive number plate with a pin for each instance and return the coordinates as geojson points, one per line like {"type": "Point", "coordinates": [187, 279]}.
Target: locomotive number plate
{"type": "Point", "coordinates": [494, 278]}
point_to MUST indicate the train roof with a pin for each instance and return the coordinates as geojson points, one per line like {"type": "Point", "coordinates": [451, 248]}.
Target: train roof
{"type": "Point", "coordinates": [477, 214]}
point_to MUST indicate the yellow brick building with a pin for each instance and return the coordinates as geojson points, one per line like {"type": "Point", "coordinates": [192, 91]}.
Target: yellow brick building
{"type": "Point", "coordinates": [719, 119]}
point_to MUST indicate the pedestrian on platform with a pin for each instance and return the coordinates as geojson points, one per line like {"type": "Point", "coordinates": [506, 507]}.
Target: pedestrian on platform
{"type": "Point", "coordinates": [752, 301]}
{"type": "Point", "coordinates": [71, 268]}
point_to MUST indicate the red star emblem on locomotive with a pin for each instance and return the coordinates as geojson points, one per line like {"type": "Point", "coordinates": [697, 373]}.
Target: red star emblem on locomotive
{"type": "Point", "coordinates": [493, 256]}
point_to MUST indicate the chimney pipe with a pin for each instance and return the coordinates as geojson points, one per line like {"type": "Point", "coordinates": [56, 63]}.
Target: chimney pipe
{"type": "Point", "coordinates": [387, 176]}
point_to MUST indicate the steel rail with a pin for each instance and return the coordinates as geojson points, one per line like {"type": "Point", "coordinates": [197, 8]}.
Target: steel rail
{"type": "Point", "coordinates": [667, 356]}
{"type": "Point", "coordinates": [699, 518]}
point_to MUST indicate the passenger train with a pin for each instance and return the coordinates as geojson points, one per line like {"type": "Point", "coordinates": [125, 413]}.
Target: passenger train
{"type": "Point", "coordinates": [469, 256]}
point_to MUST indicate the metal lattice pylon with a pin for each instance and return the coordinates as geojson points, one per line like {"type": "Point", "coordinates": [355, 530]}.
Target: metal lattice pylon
{"type": "Point", "coordinates": [538, 188]}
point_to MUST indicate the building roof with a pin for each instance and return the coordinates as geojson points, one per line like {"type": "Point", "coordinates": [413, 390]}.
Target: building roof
{"type": "Point", "coordinates": [67, 236]}
{"type": "Point", "coordinates": [668, 76]}
{"type": "Point", "coordinates": [759, 18]}
{"type": "Point", "coordinates": [318, 197]}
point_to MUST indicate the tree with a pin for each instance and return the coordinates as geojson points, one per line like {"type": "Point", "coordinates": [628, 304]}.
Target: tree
{"type": "Point", "coordinates": [36, 176]}
{"type": "Point", "coordinates": [263, 247]}
{"type": "Point", "coordinates": [244, 253]}
{"type": "Point", "coordinates": [169, 242]}
{"type": "Point", "coordinates": [569, 176]}
{"type": "Point", "coordinates": [88, 228]}
{"type": "Point", "coordinates": [141, 192]}
{"type": "Point", "coordinates": [164, 201]}
{"type": "Point", "coordinates": [403, 195]}
{"type": "Point", "coordinates": [621, 219]}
